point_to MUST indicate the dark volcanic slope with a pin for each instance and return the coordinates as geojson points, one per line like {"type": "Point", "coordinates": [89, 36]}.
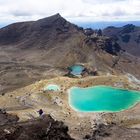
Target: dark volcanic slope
{"type": "Point", "coordinates": [44, 128]}
{"type": "Point", "coordinates": [41, 40]}
{"type": "Point", "coordinates": [35, 50]}
{"type": "Point", "coordinates": [46, 33]}
{"type": "Point", "coordinates": [127, 36]}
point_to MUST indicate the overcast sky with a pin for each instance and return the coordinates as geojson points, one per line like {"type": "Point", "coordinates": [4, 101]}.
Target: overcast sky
{"type": "Point", "coordinates": [72, 10]}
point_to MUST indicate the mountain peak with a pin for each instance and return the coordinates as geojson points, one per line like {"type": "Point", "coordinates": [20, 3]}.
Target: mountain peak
{"type": "Point", "coordinates": [129, 25]}
{"type": "Point", "coordinates": [128, 28]}
{"type": "Point", "coordinates": [46, 27]}
{"type": "Point", "coordinates": [57, 15]}
{"type": "Point", "coordinates": [55, 20]}
{"type": "Point", "coordinates": [51, 18]}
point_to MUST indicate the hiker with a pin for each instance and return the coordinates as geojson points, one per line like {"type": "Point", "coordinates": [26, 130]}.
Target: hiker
{"type": "Point", "coordinates": [40, 112]}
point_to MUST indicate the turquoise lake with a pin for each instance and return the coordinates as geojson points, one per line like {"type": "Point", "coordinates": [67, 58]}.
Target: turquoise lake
{"type": "Point", "coordinates": [102, 99]}
{"type": "Point", "coordinates": [52, 87]}
{"type": "Point", "coordinates": [76, 69]}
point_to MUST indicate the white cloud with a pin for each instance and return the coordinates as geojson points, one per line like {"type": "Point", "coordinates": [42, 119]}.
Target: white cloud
{"type": "Point", "coordinates": [83, 10]}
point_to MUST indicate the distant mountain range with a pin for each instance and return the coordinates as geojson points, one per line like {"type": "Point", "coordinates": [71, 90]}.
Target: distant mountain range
{"type": "Point", "coordinates": [105, 24]}
{"type": "Point", "coordinates": [127, 36]}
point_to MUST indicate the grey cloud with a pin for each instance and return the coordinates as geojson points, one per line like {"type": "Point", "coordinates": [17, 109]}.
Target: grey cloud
{"type": "Point", "coordinates": [119, 13]}
{"type": "Point", "coordinates": [86, 10]}
{"type": "Point", "coordinates": [20, 13]}
{"type": "Point", "coordinates": [105, 14]}
{"type": "Point", "coordinates": [116, 13]}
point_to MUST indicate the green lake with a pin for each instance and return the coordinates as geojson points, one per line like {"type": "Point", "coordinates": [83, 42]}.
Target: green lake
{"type": "Point", "coordinates": [76, 69]}
{"type": "Point", "coordinates": [52, 87]}
{"type": "Point", "coordinates": [102, 99]}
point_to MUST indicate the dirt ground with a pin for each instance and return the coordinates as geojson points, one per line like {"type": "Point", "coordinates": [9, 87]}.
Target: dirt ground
{"type": "Point", "coordinates": [25, 103]}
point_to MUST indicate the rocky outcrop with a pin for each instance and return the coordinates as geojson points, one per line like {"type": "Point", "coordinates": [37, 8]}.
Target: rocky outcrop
{"type": "Point", "coordinates": [89, 32]}
{"type": "Point", "coordinates": [109, 46]}
{"type": "Point", "coordinates": [127, 37]}
{"type": "Point", "coordinates": [113, 132]}
{"type": "Point", "coordinates": [44, 128]}
{"type": "Point", "coordinates": [128, 29]}
{"type": "Point", "coordinates": [6, 118]}
{"type": "Point", "coordinates": [106, 44]}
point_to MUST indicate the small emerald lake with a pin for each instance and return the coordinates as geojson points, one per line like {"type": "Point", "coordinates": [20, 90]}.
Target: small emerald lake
{"type": "Point", "coordinates": [102, 99]}
{"type": "Point", "coordinates": [52, 87]}
{"type": "Point", "coordinates": [76, 69]}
